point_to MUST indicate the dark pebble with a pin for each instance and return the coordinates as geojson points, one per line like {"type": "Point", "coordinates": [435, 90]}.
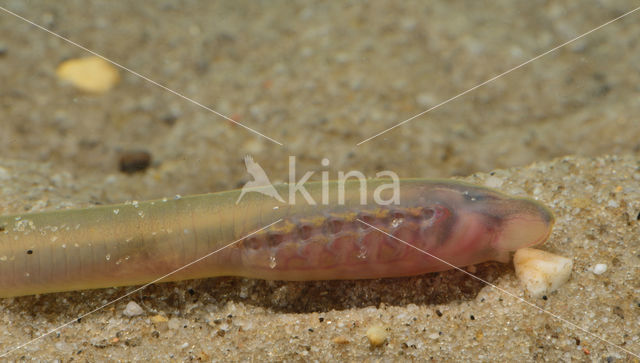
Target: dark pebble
{"type": "Point", "coordinates": [618, 311]}
{"type": "Point", "coordinates": [169, 118]}
{"type": "Point", "coordinates": [134, 161]}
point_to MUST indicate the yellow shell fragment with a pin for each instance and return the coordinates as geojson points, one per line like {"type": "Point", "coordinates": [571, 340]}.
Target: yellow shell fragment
{"type": "Point", "coordinates": [541, 272]}
{"type": "Point", "coordinates": [377, 335]}
{"type": "Point", "coordinates": [159, 319]}
{"type": "Point", "coordinates": [89, 74]}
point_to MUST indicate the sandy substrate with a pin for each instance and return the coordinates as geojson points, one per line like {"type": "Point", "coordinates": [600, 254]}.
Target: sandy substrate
{"type": "Point", "coordinates": [447, 316]}
{"type": "Point", "coordinates": [320, 78]}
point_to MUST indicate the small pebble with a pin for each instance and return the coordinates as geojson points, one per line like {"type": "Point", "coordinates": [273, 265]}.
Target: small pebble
{"type": "Point", "coordinates": [599, 269]}
{"type": "Point", "coordinates": [170, 118]}
{"type": "Point", "coordinates": [134, 161]}
{"type": "Point", "coordinates": [159, 319]}
{"type": "Point", "coordinates": [174, 324]}
{"type": "Point", "coordinates": [89, 74]}
{"type": "Point", "coordinates": [377, 335]}
{"type": "Point", "coordinates": [341, 340]}
{"type": "Point", "coordinates": [425, 100]}
{"type": "Point", "coordinates": [133, 309]}
{"type": "Point", "coordinates": [493, 182]}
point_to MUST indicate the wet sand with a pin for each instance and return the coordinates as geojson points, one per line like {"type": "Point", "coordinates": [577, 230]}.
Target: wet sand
{"type": "Point", "coordinates": [319, 79]}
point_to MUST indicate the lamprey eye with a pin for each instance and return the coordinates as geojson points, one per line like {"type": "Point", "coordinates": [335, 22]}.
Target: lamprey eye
{"type": "Point", "coordinates": [474, 197]}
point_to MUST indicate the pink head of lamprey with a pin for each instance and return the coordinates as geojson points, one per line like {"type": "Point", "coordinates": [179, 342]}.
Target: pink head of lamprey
{"type": "Point", "coordinates": [509, 223]}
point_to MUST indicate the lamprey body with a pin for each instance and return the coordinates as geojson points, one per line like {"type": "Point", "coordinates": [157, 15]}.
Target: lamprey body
{"type": "Point", "coordinates": [135, 243]}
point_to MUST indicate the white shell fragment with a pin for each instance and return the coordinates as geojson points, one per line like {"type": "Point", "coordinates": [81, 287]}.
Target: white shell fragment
{"type": "Point", "coordinates": [599, 269]}
{"type": "Point", "coordinates": [133, 309]}
{"type": "Point", "coordinates": [541, 272]}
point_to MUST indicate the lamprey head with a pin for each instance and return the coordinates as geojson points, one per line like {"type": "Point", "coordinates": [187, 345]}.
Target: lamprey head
{"type": "Point", "coordinates": [513, 223]}
{"type": "Point", "coordinates": [528, 225]}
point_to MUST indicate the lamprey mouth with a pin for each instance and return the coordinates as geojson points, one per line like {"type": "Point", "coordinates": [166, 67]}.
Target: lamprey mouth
{"type": "Point", "coordinates": [528, 228]}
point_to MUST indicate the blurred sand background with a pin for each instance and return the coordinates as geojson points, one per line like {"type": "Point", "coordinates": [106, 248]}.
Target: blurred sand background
{"type": "Point", "coordinates": [319, 78]}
